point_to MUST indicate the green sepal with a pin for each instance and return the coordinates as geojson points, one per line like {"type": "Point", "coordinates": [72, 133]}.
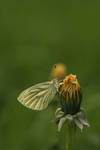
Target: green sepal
{"type": "Point", "coordinates": [78, 124]}
{"type": "Point", "coordinates": [68, 118]}
{"type": "Point", "coordinates": [77, 120]}
{"type": "Point", "coordinates": [59, 113]}
{"type": "Point", "coordinates": [82, 117]}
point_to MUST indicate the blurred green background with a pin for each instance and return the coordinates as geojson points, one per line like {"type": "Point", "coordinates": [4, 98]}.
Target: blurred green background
{"type": "Point", "coordinates": [34, 35]}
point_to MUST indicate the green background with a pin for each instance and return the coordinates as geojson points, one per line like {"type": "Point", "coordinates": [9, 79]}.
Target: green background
{"type": "Point", "coordinates": [34, 35]}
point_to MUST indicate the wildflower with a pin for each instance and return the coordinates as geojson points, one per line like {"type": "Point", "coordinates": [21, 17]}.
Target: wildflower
{"type": "Point", "coordinates": [70, 95]}
{"type": "Point", "coordinates": [58, 71]}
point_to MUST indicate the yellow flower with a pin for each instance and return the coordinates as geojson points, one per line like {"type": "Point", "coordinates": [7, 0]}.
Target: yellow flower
{"type": "Point", "coordinates": [58, 71]}
{"type": "Point", "coordinates": [70, 94]}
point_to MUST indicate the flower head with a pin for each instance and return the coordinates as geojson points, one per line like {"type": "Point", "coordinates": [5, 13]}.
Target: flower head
{"type": "Point", "coordinates": [70, 94]}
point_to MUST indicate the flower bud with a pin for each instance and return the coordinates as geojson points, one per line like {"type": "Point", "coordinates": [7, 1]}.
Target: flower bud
{"type": "Point", "coordinates": [70, 95]}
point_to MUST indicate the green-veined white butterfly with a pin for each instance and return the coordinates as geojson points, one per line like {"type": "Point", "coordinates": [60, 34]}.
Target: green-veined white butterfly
{"type": "Point", "coordinates": [40, 95]}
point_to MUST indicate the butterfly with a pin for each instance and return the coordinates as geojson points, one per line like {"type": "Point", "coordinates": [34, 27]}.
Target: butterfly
{"type": "Point", "coordinates": [67, 88]}
{"type": "Point", "coordinates": [40, 95]}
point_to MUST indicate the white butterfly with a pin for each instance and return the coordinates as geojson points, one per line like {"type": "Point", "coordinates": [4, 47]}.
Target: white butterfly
{"type": "Point", "coordinates": [40, 95]}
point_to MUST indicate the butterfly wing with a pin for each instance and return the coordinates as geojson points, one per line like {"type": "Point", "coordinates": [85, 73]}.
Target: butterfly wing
{"type": "Point", "coordinates": [40, 95]}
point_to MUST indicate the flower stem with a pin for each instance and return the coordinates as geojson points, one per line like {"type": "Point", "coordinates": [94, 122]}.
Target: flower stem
{"type": "Point", "coordinates": [69, 143]}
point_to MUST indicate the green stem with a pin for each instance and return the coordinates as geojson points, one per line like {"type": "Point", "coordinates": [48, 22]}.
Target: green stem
{"type": "Point", "coordinates": [69, 143]}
